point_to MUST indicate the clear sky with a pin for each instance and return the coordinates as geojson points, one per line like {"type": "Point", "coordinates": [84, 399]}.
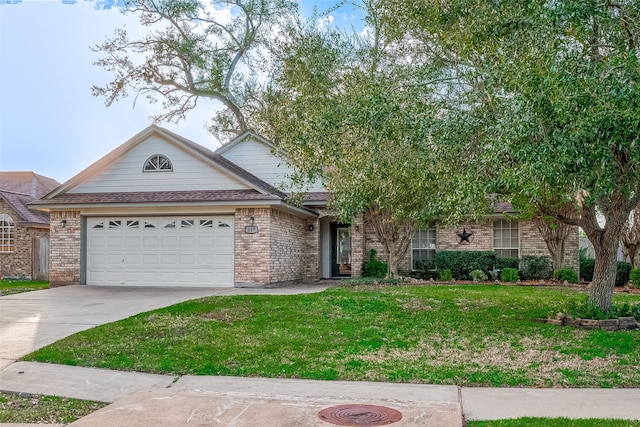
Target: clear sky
{"type": "Point", "coordinates": [49, 121]}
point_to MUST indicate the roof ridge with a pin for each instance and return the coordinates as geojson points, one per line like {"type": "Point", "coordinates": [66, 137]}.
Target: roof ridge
{"type": "Point", "coordinates": [15, 192]}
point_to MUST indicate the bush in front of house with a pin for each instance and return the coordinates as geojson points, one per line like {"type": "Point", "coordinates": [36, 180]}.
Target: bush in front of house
{"type": "Point", "coordinates": [445, 275]}
{"type": "Point", "coordinates": [507, 262]}
{"type": "Point", "coordinates": [373, 267]}
{"type": "Point", "coordinates": [586, 268]}
{"type": "Point", "coordinates": [461, 263]}
{"type": "Point", "coordinates": [622, 274]}
{"type": "Point", "coordinates": [425, 269]}
{"type": "Point", "coordinates": [634, 276]}
{"type": "Point", "coordinates": [509, 275]}
{"type": "Point", "coordinates": [566, 274]}
{"type": "Point", "coordinates": [478, 276]}
{"type": "Point", "coordinates": [533, 267]}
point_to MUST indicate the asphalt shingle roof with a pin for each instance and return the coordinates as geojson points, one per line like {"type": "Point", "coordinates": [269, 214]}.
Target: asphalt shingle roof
{"type": "Point", "coordinates": [159, 197]}
{"type": "Point", "coordinates": [19, 189]}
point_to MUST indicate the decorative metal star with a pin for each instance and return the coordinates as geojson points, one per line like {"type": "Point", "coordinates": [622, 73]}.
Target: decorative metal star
{"type": "Point", "coordinates": [465, 236]}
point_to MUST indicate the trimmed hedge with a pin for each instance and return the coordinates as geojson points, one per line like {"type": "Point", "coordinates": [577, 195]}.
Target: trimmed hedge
{"type": "Point", "coordinates": [586, 268]}
{"type": "Point", "coordinates": [507, 262]}
{"type": "Point", "coordinates": [634, 276]}
{"type": "Point", "coordinates": [622, 270]}
{"type": "Point", "coordinates": [461, 263]}
{"type": "Point", "coordinates": [536, 267]}
{"type": "Point", "coordinates": [622, 275]}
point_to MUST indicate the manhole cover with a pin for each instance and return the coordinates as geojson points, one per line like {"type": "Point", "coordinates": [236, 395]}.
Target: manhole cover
{"type": "Point", "coordinates": [360, 415]}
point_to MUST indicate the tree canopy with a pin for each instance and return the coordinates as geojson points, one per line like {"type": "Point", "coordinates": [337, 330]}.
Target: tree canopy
{"type": "Point", "coordinates": [344, 107]}
{"type": "Point", "coordinates": [192, 50]}
{"type": "Point", "coordinates": [553, 87]}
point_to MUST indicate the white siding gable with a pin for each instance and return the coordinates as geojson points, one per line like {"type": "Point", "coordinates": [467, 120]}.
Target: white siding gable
{"type": "Point", "coordinates": [125, 174]}
{"type": "Point", "coordinates": [258, 159]}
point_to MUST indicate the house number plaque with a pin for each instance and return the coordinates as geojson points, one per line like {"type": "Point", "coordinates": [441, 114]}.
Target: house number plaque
{"type": "Point", "coordinates": [251, 229]}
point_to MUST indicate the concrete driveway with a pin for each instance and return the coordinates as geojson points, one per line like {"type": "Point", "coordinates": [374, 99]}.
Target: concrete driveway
{"type": "Point", "coordinates": [32, 320]}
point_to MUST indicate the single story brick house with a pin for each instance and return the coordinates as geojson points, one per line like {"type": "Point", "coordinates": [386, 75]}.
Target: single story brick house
{"type": "Point", "coordinates": [163, 210]}
{"type": "Point", "coordinates": [24, 232]}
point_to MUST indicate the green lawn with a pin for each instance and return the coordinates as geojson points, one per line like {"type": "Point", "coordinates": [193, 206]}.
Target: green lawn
{"type": "Point", "coordinates": [465, 335]}
{"type": "Point", "coordinates": [554, 422]}
{"type": "Point", "coordinates": [43, 409]}
{"type": "Point", "coordinates": [10, 287]}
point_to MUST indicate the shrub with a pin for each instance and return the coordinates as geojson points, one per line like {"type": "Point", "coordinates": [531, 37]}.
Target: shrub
{"type": "Point", "coordinates": [509, 275]}
{"type": "Point", "coordinates": [585, 309]}
{"type": "Point", "coordinates": [373, 267]}
{"type": "Point", "coordinates": [622, 274]}
{"type": "Point", "coordinates": [461, 263]}
{"type": "Point", "coordinates": [586, 268]}
{"type": "Point", "coordinates": [425, 269]}
{"type": "Point", "coordinates": [445, 275]}
{"type": "Point", "coordinates": [536, 267]}
{"type": "Point", "coordinates": [634, 276]}
{"type": "Point", "coordinates": [478, 276]}
{"type": "Point", "coordinates": [566, 274]}
{"type": "Point", "coordinates": [507, 262]}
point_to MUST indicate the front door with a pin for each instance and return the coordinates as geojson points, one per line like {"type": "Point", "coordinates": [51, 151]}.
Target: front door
{"type": "Point", "coordinates": [340, 250]}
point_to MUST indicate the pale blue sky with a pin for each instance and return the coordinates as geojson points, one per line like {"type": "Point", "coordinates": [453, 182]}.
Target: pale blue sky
{"type": "Point", "coordinates": [49, 122]}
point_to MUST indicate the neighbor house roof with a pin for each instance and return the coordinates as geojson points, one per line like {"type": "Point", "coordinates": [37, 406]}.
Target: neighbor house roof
{"type": "Point", "coordinates": [18, 189]}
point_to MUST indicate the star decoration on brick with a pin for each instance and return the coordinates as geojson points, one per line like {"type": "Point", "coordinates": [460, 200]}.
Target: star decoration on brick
{"type": "Point", "coordinates": [465, 237]}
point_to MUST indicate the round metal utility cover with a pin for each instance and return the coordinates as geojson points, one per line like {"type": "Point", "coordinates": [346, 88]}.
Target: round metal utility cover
{"type": "Point", "coordinates": [360, 415]}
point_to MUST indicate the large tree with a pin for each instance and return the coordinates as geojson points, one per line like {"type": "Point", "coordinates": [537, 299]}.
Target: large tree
{"type": "Point", "coordinates": [192, 49]}
{"type": "Point", "coordinates": [553, 91]}
{"type": "Point", "coordinates": [344, 108]}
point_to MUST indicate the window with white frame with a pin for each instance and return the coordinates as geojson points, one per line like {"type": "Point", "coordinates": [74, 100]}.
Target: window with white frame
{"type": "Point", "coordinates": [506, 239]}
{"type": "Point", "coordinates": [7, 233]}
{"type": "Point", "coordinates": [423, 246]}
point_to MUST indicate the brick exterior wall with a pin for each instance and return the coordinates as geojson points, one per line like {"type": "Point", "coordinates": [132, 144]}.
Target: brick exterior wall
{"type": "Point", "coordinates": [447, 237]}
{"type": "Point", "coordinates": [64, 257]}
{"type": "Point", "coordinates": [284, 250]}
{"type": "Point", "coordinates": [19, 261]}
{"type": "Point", "coordinates": [531, 243]}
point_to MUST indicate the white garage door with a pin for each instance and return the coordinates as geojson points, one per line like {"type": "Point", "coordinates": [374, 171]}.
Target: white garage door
{"type": "Point", "coordinates": [160, 251]}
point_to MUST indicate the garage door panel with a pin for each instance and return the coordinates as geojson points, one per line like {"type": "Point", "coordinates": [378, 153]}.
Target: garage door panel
{"type": "Point", "coordinates": [150, 241]}
{"type": "Point", "coordinates": [154, 251]}
{"type": "Point", "coordinates": [187, 242]}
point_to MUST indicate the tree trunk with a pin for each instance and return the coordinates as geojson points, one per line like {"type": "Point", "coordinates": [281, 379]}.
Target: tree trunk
{"type": "Point", "coordinates": [604, 276]}
{"type": "Point", "coordinates": [605, 241]}
{"type": "Point", "coordinates": [557, 254]}
{"type": "Point", "coordinates": [394, 235]}
{"type": "Point", "coordinates": [555, 234]}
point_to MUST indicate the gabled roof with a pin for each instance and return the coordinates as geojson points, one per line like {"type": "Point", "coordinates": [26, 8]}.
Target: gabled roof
{"type": "Point", "coordinates": [19, 189]}
{"type": "Point", "coordinates": [243, 137]}
{"type": "Point", "coordinates": [198, 151]}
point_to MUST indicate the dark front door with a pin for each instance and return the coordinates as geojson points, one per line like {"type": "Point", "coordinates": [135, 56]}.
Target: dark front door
{"type": "Point", "coordinates": [340, 250]}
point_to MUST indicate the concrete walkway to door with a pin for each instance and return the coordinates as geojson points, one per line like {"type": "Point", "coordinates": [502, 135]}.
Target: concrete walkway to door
{"type": "Point", "coordinates": [31, 320]}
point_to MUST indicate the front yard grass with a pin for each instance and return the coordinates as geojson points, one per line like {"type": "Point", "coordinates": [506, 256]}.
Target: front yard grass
{"type": "Point", "coordinates": [464, 335]}
{"type": "Point", "coordinates": [10, 287]}
{"type": "Point", "coordinates": [41, 409]}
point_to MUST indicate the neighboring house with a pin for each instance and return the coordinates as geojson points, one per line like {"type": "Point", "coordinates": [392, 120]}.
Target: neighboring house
{"type": "Point", "coordinates": [24, 232]}
{"type": "Point", "coordinates": [161, 210]}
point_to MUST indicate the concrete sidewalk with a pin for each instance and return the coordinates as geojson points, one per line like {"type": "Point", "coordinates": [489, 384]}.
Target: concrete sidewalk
{"type": "Point", "coordinates": [163, 400]}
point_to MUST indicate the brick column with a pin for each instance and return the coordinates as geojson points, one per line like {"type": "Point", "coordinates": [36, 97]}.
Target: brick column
{"type": "Point", "coordinates": [64, 252]}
